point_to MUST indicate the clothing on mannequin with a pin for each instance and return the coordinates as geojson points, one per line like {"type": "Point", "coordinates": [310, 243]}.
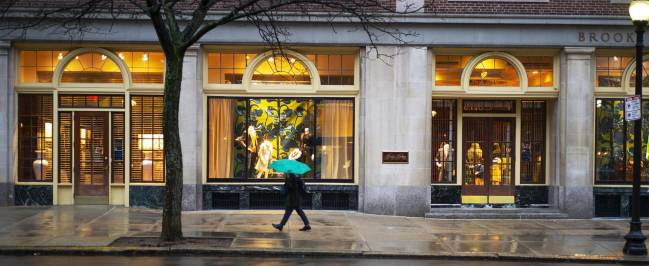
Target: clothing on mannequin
{"type": "Point", "coordinates": [443, 162]}
{"type": "Point", "coordinates": [475, 161]}
{"type": "Point", "coordinates": [251, 145]}
{"type": "Point", "coordinates": [306, 146]}
{"type": "Point", "coordinates": [265, 157]}
{"type": "Point", "coordinates": [496, 165]}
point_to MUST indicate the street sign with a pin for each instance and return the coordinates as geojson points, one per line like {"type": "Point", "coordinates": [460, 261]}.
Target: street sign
{"type": "Point", "coordinates": [632, 108]}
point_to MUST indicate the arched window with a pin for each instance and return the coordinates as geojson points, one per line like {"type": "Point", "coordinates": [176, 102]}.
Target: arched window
{"type": "Point", "coordinates": [92, 67]}
{"type": "Point", "coordinates": [494, 72]}
{"type": "Point", "coordinates": [645, 75]}
{"type": "Point", "coordinates": [281, 69]}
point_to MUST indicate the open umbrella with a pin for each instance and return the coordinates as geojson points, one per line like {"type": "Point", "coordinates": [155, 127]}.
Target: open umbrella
{"type": "Point", "coordinates": [289, 166]}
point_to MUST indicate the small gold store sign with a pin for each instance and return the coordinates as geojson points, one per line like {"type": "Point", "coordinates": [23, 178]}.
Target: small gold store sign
{"type": "Point", "coordinates": [395, 157]}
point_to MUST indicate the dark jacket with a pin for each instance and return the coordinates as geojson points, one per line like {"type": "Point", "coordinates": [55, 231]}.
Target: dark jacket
{"type": "Point", "coordinates": [295, 190]}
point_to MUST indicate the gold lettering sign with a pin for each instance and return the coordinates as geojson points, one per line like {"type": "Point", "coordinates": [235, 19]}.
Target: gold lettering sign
{"type": "Point", "coordinates": [606, 37]}
{"type": "Point", "coordinates": [395, 157]}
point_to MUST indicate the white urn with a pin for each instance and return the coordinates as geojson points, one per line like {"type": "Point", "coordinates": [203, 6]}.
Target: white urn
{"type": "Point", "coordinates": [40, 166]}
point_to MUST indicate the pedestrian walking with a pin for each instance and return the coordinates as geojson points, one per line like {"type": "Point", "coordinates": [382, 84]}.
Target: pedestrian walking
{"type": "Point", "coordinates": [294, 189]}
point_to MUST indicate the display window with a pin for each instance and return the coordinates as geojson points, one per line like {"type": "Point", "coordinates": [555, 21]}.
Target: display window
{"type": "Point", "coordinates": [35, 148]}
{"type": "Point", "coordinates": [444, 141]}
{"type": "Point", "coordinates": [245, 134]}
{"type": "Point", "coordinates": [147, 140]}
{"type": "Point", "coordinates": [533, 125]}
{"type": "Point", "coordinates": [614, 143]}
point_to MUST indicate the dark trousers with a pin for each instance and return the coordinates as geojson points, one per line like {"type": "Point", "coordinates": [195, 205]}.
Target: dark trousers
{"type": "Point", "coordinates": [287, 214]}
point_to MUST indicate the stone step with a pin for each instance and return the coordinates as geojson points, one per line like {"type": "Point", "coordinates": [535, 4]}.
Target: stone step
{"type": "Point", "coordinates": [495, 213]}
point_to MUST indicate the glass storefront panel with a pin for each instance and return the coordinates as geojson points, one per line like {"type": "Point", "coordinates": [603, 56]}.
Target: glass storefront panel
{"type": "Point", "coordinates": [37, 66]}
{"type": "Point", "coordinates": [334, 69]}
{"type": "Point", "coordinates": [494, 72]}
{"type": "Point", "coordinates": [645, 76]}
{"type": "Point", "coordinates": [246, 134]}
{"type": "Point", "coordinates": [91, 101]}
{"type": "Point", "coordinates": [539, 70]}
{"type": "Point", "coordinates": [448, 69]}
{"type": "Point", "coordinates": [65, 147]}
{"type": "Point", "coordinates": [145, 66]}
{"type": "Point", "coordinates": [444, 141]}
{"type": "Point", "coordinates": [610, 69]}
{"type": "Point", "coordinates": [35, 125]}
{"type": "Point", "coordinates": [533, 120]}
{"type": "Point", "coordinates": [614, 143]}
{"type": "Point", "coordinates": [147, 139]}
{"type": "Point", "coordinates": [281, 69]}
{"type": "Point", "coordinates": [92, 67]}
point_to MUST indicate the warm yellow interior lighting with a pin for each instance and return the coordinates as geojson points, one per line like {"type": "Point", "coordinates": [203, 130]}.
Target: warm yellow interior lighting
{"type": "Point", "coordinates": [145, 57]}
{"type": "Point", "coordinates": [48, 131]}
{"type": "Point", "coordinates": [150, 142]}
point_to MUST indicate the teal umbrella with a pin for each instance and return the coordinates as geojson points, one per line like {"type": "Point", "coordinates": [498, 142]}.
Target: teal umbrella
{"type": "Point", "coordinates": [289, 166]}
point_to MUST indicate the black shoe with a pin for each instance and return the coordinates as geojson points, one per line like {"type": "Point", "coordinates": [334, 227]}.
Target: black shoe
{"type": "Point", "coordinates": [278, 226]}
{"type": "Point", "coordinates": [306, 228]}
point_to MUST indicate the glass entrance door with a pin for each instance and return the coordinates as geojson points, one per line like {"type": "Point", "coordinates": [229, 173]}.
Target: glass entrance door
{"type": "Point", "coordinates": [91, 156]}
{"type": "Point", "coordinates": [488, 160]}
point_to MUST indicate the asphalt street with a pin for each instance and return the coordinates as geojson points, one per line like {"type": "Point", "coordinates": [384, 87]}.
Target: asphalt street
{"type": "Point", "coordinates": [261, 261]}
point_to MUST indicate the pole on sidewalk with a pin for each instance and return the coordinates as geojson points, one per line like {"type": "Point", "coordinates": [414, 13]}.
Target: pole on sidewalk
{"type": "Point", "coordinates": [635, 239]}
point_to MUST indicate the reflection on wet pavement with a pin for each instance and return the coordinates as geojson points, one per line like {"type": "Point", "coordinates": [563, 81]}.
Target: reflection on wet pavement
{"type": "Point", "coordinates": [332, 231]}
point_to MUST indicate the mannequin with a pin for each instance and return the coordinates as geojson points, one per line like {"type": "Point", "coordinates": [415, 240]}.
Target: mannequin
{"type": "Point", "coordinates": [306, 146]}
{"type": "Point", "coordinates": [443, 161]}
{"type": "Point", "coordinates": [251, 147]}
{"type": "Point", "coordinates": [496, 165]}
{"type": "Point", "coordinates": [265, 157]}
{"type": "Point", "coordinates": [474, 160]}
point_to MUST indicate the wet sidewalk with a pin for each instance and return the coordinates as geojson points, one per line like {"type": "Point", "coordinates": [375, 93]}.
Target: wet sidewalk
{"type": "Point", "coordinates": [96, 229]}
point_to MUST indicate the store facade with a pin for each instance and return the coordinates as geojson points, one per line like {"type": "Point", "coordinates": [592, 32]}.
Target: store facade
{"type": "Point", "coordinates": [458, 118]}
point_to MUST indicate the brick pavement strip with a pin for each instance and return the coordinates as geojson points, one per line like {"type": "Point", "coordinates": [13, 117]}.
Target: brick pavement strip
{"type": "Point", "coordinates": [119, 231]}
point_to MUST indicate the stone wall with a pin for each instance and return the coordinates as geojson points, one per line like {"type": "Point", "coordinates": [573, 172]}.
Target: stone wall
{"type": "Point", "coordinates": [395, 116]}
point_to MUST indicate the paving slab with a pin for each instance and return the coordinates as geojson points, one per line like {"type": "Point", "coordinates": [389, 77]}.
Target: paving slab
{"type": "Point", "coordinates": [117, 230]}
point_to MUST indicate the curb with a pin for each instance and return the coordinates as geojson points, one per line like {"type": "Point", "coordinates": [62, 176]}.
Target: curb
{"type": "Point", "coordinates": [175, 251]}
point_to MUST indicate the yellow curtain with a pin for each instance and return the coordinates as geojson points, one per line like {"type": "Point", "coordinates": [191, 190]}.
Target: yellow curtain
{"type": "Point", "coordinates": [220, 137]}
{"type": "Point", "coordinates": [336, 119]}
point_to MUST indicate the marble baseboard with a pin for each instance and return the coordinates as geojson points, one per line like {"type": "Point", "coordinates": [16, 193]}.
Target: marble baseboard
{"type": "Point", "coordinates": [6, 194]}
{"type": "Point", "coordinates": [191, 200]}
{"type": "Point", "coordinates": [527, 196]}
{"type": "Point", "coordinates": [252, 197]}
{"type": "Point", "coordinates": [445, 194]}
{"type": "Point", "coordinates": [616, 201]}
{"type": "Point", "coordinates": [411, 201]}
{"type": "Point", "coordinates": [33, 195]}
{"type": "Point", "coordinates": [147, 196]}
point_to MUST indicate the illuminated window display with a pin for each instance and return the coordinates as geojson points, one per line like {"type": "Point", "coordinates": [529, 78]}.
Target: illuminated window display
{"type": "Point", "coordinates": [35, 125]}
{"type": "Point", "coordinates": [147, 140]}
{"type": "Point", "coordinates": [246, 134]}
{"type": "Point", "coordinates": [614, 143]}
{"type": "Point", "coordinates": [444, 142]}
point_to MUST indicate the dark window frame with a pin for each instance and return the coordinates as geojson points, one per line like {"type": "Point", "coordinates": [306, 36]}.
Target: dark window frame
{"type": "Point", "coordinates": [627, 130]}
{"type": "Point", "coordinates": [452, 137]}
{"type": "Point", "coordinates": [279, 180]}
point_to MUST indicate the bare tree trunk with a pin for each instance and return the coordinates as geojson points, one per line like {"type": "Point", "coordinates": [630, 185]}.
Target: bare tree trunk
{"type": "Point", "coordinates": [171, 215]}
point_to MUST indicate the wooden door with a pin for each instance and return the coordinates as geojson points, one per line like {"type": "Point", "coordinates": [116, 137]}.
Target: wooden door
{"type": "Point", "coordinates": [488, 160]}
{"type": "Point", "coordinates": [91, 156]}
